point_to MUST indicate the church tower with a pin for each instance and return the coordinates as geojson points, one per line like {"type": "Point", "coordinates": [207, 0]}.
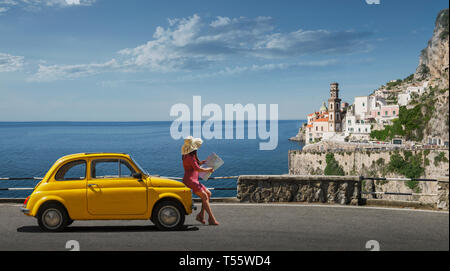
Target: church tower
{"type": "Point", "coordinates": [334, 110]}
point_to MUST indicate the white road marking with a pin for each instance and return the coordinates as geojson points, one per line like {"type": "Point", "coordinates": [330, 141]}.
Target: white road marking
{"type": "Point", "coordinates": [303, 205]}
{"type": "Point", "coordinates": [326, 206]}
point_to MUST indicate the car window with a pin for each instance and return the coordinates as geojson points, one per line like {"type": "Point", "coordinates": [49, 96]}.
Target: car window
{"type": "Point", "coordinates": [75, 170]}
{"type": "Point", "coordinates": [126, 170]}
{"type": "Point", "coordinates": [111, 168]}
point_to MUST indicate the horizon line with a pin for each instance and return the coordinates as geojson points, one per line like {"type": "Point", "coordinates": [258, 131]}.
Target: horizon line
{"type": "Point", "coordinates": [24, 121]}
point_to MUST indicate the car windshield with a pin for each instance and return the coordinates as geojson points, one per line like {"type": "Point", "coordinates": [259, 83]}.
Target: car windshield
{"type": "Point", "coordinates": [140, 168]}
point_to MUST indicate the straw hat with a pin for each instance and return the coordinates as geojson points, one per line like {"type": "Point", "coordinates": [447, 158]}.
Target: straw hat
{"type": "Point", "coordinates": [191, 144]}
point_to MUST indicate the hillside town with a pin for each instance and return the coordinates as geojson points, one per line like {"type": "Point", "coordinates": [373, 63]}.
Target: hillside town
{"type": "Point", "coordinates": [341, 122]}
{"type": "Point", "coordinates": [337, 121]}
{"type": "Point", "coordinates": [410, 112]}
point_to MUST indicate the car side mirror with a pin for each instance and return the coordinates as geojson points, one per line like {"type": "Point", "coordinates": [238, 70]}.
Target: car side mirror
{"type": "Point", "coordinates": [137, 175]}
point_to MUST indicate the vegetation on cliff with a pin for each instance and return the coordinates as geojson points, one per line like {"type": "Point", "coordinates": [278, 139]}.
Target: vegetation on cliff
{"type": "Point", "coordinates": [333, 167]}
{"type": "Point", "coordinates": [409, 165]}
{"type": "Point", "coordinates": [412, 123]}
{"type": "Point", "coordinates": [442, 20]}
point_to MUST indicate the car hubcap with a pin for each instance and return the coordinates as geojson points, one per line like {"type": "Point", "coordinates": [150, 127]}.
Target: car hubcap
{"type": "Point", "coordinates": [169, 216]}
{"type": "Point", "coordinates": [52, 218]}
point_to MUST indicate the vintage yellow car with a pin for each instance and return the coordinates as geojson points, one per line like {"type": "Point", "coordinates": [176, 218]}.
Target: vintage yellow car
{"type": "Point", "coordinates": [106, 186]}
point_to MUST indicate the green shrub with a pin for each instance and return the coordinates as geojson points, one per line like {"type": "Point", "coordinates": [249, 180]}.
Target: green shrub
{"type": "Point", "coordinates": [333, 167]}
{"type": "Point", "coordinates": [409, 166]}
{"type": "Point", "coordinates": [440, 158]}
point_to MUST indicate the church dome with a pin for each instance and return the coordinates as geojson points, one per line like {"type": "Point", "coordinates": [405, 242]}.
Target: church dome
{"type": "Point", "coordinates": [323, 108]}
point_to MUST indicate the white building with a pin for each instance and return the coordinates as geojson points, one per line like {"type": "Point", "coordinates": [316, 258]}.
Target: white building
{"type": "Point", "coordinates": [403, 99]}
{"type": "Point", "coordinates": [355, 125]}
{"type": "Point", "coordinates": [406, 97]}
{"type": "Point", "coordinates": [365, 104]}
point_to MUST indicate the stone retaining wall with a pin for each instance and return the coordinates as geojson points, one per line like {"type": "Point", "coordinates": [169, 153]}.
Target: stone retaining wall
{"type": "Point", "coordinates": [344, 190]}
{"type": "Point", "coordinates": [298, 188]}
{"type": "Point", "coordinates": [443, 200]}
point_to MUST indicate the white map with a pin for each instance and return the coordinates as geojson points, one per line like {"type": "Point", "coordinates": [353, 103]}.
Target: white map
{"type": "Point", "coordinates": [213, 161]}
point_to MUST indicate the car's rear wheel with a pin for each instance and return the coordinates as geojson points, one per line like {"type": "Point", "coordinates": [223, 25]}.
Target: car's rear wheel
{"type": "Point", "coordinates": [69, 222]}
{"type": "Point", "coordinates": [52, 217]}
{"type": "Point", "coordinates": [168, 215]}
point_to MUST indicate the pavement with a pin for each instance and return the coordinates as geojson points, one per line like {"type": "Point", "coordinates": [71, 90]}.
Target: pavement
{"type": "Point", "coordinates": [244, 227]}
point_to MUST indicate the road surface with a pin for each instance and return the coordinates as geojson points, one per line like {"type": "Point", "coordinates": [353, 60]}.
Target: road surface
{"type": "Point", "coordinates": [268, 227]}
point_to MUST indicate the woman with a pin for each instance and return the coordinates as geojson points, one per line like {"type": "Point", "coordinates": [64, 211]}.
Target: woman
{"type": "Point", "coordinates": [191, 165]}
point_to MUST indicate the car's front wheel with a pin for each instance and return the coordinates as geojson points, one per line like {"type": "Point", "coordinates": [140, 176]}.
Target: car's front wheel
{"type": "Point", "coordinates": [52, 217]}
{"type": "Point", "coordinates": [168, 215]}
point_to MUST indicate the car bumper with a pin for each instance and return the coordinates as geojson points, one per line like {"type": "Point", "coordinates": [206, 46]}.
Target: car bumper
{"type": "Point", "coordinates": [25, 210]}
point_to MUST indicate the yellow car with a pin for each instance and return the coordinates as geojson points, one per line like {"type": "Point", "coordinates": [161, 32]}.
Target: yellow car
{"type": "Point", "coordinates": [106, 186]}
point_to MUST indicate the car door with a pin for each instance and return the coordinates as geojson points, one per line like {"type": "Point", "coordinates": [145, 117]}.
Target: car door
{"type": "Point", "coordinates": [112, 189]}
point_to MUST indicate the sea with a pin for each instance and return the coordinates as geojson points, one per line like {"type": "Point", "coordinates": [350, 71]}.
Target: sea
{"type": "Point", "coordinates": [28, 149]}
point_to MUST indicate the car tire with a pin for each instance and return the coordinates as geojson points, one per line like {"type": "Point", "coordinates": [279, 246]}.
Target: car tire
{"type": "Point", "coordinates": [52, 217]}
{"type": "Point", "coordinates": [168, 215]}
{"type": "Point", "coordinates": [69, 222]}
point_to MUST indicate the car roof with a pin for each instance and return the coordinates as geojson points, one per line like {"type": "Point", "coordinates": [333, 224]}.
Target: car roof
{"type": "Point", "coordinates": [92, 154]}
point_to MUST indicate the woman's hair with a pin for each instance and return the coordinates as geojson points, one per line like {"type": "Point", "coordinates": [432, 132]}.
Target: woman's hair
{"type": "Point", "coordinates": [193, 153]}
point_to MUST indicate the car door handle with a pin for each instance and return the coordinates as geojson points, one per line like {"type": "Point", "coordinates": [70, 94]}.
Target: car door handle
{"type": "Point", "coordinates": [92, 184]}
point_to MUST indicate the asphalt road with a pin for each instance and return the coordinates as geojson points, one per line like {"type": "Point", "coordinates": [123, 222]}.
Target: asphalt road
{"type": "Point", "coordinates": [244, 227]}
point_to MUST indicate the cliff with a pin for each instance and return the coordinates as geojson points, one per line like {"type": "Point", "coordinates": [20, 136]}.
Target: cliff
{"type": "Point", "coordinates": [426, 117]}
{"type": "Point", "coordinates": [434, 59]}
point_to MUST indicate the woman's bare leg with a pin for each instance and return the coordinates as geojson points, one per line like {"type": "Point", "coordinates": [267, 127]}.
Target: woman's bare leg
{"type": "Point", "coordinates": [201, 215]}
{"type": "Point", "coordinates": [206, 207]}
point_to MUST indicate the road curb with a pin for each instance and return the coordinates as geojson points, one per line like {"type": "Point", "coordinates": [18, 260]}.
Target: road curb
{"type": "Point", "coordinates": [400, 204]}
{"type": "Point", "coordinates": [367, 202]}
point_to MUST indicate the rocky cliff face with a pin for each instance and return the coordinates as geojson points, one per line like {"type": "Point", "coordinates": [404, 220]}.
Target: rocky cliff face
{"type": "Point", "coordinates": [434, 66]}
{"type": "Point", "coordinates": [434, 59]}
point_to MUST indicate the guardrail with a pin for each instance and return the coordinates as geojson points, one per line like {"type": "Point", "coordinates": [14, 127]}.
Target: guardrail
{"type": "Point", "coordinates": [361, 178]}
{"type": "Point", "coordinates": [173, 178]}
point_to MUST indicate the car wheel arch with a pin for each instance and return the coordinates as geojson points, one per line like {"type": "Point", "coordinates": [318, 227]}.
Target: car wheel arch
{"type": "Point", "coordinates": [45, 202]}
{"type": "Point", "coordinates": [170, 199]}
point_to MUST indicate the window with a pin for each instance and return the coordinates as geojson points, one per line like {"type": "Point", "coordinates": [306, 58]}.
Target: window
{"type": "Point", "coordinates": [393, 112]}
{"type": "Point", "coordinates": [321, 128]}
{"type": "Point", "coordinates": [385, 113]}
{"type": "Point", "coordinates": [111, 168]}
{"type": "Point", "coordinates": [72, 171]}
{"type": "Point", "coordinates": [363, 104]}
{"type": "Point", "coordinates": [125, 169]}
{"type": "Point", "coordinates": [349, 122]}
{"type": "Point", "coordinates": [317, 128]}
{"type": "Point", "coordinates": [378, 113]}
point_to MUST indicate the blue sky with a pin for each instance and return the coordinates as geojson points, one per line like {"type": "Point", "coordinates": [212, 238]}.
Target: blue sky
{"type": "Point", "coordinates": [113, 60]}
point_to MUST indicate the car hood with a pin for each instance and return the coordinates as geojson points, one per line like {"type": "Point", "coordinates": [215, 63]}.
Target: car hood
{"type": "Point", "coordinates": [163, 182]}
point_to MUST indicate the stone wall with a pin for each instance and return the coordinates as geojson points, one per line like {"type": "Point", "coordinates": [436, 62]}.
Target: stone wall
{"type": "Point", "coordinates": [443, 195]}
{"type": "Point", "coordinates": [375, 164]}
{"type": "Point", "coordinates": [291, 188]}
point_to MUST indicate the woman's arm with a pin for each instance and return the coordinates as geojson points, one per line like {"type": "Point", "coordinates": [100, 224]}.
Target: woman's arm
{"type": "Point", "coordinates": [197, 167]}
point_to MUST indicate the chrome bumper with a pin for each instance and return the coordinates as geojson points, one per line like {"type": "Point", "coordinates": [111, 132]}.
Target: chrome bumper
{"type": "Point", "coordinates": [24, 210]}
